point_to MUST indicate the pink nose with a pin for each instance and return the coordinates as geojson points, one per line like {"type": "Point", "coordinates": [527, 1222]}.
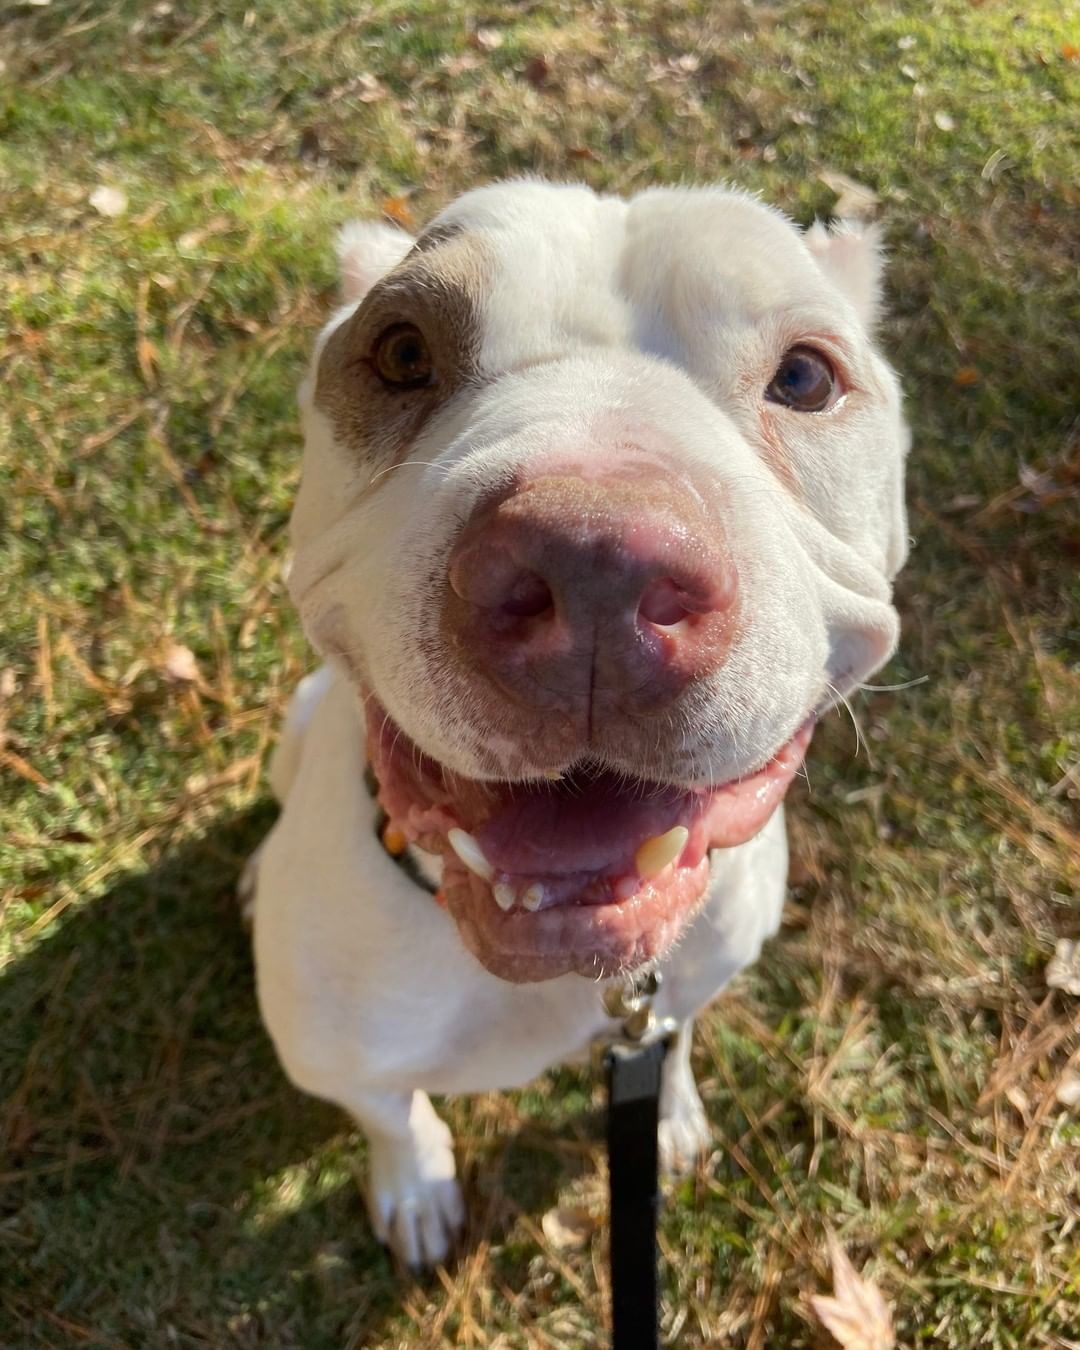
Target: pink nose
{"type": "Point", "coordinates": [576, 593]}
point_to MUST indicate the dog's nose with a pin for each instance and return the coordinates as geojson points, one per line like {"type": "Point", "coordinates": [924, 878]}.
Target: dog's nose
{"type": "Point", "coordinates": [570, 591]}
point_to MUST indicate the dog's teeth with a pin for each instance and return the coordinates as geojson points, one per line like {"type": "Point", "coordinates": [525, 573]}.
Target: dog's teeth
{"type": "Point", "coordinates": [533, 898]}
{"type": "Point", "coordinates": [655, 854]}
{"type": "Point", "coordinates": [625, 887]}
{"type": "Point", "coordinates": [504, 894]}
{"type": "Point", "coordinates": [470, 853]}
{"type": "Point", "coordinates": [552, 775]}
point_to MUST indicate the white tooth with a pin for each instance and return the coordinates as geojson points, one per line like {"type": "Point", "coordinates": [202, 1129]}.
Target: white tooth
{"type": "Point", "coordinates": [655, 854]}
{"type": "Point", "coordinates": [533, 898]}
{"type": "Point", "coordinates": [505, 895]}
{"type": "Point", "coordinates": [470, 853]}
{"type": "Point", "coordinates": [552, 775]}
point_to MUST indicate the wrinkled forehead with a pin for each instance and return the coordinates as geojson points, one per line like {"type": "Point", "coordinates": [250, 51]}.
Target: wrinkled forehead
{"type": "Point", "coordinates": [548, 269]}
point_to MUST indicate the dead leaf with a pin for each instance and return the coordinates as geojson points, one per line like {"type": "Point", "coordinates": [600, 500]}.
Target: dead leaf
{"type": "Point", "coordinates": [9, 683]}
{"type": "Point", "coordinates": [965, 377]}
{"type": "Point", "coordinates": [1068, 1090]}
{"type": "Point", "coordinates": [1044, 488]}
{"type": "Point", "coordinates": [399, 211]}
{"type": "Point", "coordinates": [147, 356]}
{"type": "Point", "coordinates": [568, 1227]}
{"type": "Point", "coordinates": [537, 71]}
{"type": "Point", "coordinates": [857, 1315]}
{"type": "Point", "coordinates": [371, 90]}
{"type": "Point", "coordinates": [179, 665]}
{"type": "Point", "coordinates": [853, 199]}
{"type": "Point", "coordinates": [460, 65]}
{"type": "Point", "coordinates": [109, 201]}
{"type": "Point", "coordinates": [487, 39]}
{"type": "Point", "coordinates": [310, 147]}
{"type": "Point", "coordinates": [1070, 51]}
{"type": "Point", "coordinates": [583, 152]}
{"type": "Point", "coordinates": [944, 121]}
{"type": "Point", "coordinates": [1063, 968]}
{"type": "Point", "coordinates": [193, 238]}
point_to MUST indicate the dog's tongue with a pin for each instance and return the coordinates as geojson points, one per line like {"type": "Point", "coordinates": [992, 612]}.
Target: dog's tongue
{"type": "Point", "coordinates": [584, 824]}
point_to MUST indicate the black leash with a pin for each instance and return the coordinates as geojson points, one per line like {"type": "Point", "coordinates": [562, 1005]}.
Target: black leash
{"type": "Point", "coordinates": [632, 1066]}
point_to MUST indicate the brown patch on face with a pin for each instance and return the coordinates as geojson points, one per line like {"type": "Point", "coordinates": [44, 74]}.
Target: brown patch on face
{"type": "Point", "coordinates": [438, 288]}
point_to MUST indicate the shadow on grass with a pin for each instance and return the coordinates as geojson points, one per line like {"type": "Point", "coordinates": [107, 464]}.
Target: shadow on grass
{"type": "Point", "coordinates": [160, 1181]}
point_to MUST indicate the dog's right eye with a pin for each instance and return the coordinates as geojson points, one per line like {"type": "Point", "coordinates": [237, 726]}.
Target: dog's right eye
{"type": "Point", "coordinates": [401, 358]}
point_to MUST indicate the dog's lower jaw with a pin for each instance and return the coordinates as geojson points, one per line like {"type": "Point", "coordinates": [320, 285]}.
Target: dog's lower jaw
{"type": "Point", "coordinates": [555, 944]}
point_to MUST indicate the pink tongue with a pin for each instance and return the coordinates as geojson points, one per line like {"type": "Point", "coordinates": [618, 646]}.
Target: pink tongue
{"type": "Point", "coordinates": [590, 824]}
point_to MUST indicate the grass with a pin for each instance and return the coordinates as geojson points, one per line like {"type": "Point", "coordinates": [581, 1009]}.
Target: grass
{"type": "Point", "coordinates": [889, 1070]}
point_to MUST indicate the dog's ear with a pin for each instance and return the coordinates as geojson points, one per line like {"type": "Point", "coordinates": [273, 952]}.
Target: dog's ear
{"type": "Point", "coordinates": [851, 255]}
{"type": "Point", "coordinates": [367, 250]}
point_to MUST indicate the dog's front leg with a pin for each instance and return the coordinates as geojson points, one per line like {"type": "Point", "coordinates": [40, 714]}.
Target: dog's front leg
{"type": "Point", "coordinates": [412, 1194]}
{"type": "Point", "coordinates": [684, 1128]}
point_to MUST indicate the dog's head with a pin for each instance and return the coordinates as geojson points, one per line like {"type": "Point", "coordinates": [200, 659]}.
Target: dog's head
{"type": "Point", "coordinates": [600, 508]}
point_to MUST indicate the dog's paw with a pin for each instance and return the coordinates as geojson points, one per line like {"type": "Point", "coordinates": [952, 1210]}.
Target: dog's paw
{"type": "Point", "coordinates": [413, 1196]}
{"type": "Point", "coordinates": [684, 1136]}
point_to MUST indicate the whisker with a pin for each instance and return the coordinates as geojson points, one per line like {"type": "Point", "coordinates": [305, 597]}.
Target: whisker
{"type": "Point", "coordinates": [851, 713]}
{"type": "Point", "coordinates": [412, 463]}
{"type": "Point", "coordinates": [894, 688]}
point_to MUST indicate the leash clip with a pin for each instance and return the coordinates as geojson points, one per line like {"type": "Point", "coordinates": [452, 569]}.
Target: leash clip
{"type": "Point", "coordinates": [631, 1001]}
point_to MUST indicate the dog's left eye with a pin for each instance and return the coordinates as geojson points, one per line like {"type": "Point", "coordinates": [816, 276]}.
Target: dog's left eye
{"type": "Point", "coordinates": [401, 358]}
{"type": "Point", "coordinates": [804, 381]}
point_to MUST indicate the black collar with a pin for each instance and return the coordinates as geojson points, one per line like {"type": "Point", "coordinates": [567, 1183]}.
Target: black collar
{"type": "Point", "coordinates": [392, 843]}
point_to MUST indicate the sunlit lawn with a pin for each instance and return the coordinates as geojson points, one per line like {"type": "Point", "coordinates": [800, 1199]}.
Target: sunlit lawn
{"type": "Point", "coordinates": [891, 1069]}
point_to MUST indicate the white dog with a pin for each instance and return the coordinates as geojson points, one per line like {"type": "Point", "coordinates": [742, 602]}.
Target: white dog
{"type": "Point", "coordinates": [601, 505]}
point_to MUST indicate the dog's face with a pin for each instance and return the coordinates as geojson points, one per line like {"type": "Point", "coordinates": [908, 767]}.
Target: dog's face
{"type": "Point", "coordinates": [600, 509]}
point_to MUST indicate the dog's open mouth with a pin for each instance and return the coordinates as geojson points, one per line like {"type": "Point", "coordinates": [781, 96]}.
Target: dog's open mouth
{"type": "Point", "coordinates": [592, 872]}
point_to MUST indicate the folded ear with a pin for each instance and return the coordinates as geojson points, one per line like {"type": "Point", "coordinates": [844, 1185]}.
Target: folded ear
{"type": "Point", "coordinates": [367, 250]}
{"type": "Point", "coordinates": [851, 254]}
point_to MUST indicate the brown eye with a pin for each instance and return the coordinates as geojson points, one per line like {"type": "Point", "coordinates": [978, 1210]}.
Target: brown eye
{"type": "Point", "coordinates": [401, 358]}
{"type": "Point", "coordinates": [804, 381]}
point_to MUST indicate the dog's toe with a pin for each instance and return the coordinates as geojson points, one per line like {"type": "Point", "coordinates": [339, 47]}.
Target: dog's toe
{"type": "Point", "coordinates": [415, 1202]}
{"type": "Point", "coordinates": [421, 1224]}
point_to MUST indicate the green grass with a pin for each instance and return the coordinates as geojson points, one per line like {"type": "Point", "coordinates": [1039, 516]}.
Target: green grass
{"type": "Point", "coordinates": [889, 1068]}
